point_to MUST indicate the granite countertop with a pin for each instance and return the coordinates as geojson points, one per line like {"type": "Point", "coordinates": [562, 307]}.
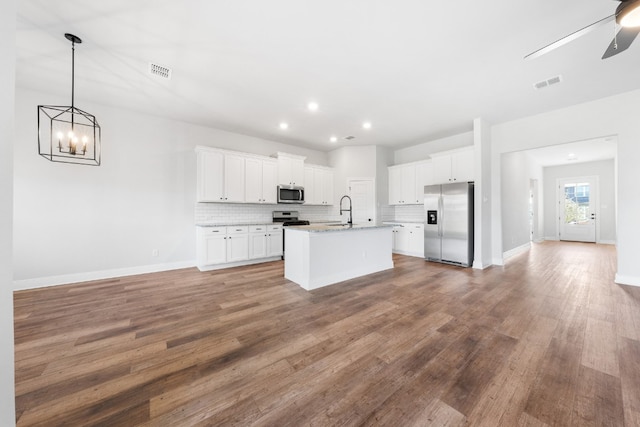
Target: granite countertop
{"type": "Point", "coordinates": [403, 222]}
{"type": "Point", "coordinates": [318, 228]}
{"type": "Point", "coordinates": [236, 224]}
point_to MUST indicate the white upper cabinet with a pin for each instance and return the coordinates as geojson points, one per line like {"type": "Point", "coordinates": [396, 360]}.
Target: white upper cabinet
{"type": "Point", "coordinates": [233, 178]}
{"type": "Point", "coordinates": [220, 177]}
{"type": "Point", "coordinates": [453, 166]}
{"type": "Point", "coordinates": [210, 179]}
{"type": "Point", "coordinates": [290, 169]}
{"type": "Point", "coordinates": [407, 181]}
{"type": "Point", "coordinates": [270, 181]}
{"type": "Point", "coordinates": [424, 176]}
{"type": "Point", "coordinates": [318, 185]}
{"type": "Point", "coordinates": [261, 180]}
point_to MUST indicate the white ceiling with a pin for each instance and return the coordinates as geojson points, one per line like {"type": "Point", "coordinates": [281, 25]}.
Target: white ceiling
{"type": "Point", "coordinates": [418, 70]}
{"type": "Point", "coordinates": [575, 152]}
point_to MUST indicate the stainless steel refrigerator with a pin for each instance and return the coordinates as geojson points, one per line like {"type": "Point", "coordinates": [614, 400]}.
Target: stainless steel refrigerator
{"type": "Point", "coordinates": [448, 229]}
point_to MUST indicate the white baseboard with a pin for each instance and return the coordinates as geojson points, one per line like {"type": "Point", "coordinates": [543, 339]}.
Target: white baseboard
{"type": "Point", "coordinates": [552, 238]}
{"type": "Point", "coordinates": [627, 280]}
{"type": "Point", "coordinates": [237, 263]}
{"type": "Point", "coordinates": [417, 255]}
{"type": "Point", "coordinates": [478, 265]}
{"type": "Point", "coordinates": [42, 282]}
{"type": "Point", "coordinates": [517, 250]}
{"type": "Point", "coordinates": [607, 242]}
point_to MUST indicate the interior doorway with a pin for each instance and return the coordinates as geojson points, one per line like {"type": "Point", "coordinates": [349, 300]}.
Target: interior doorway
{"type": "Point", "coordinates": [534, 231]}
{"type": "Point", "coordinates": [577, 204]}
{"type": "Point", "coordinates": [363, 196]}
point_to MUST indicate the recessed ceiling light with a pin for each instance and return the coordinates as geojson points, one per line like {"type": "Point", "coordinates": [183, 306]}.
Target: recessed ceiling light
{"type": "Point", "coordinates": [284, 125]}
{"type": "Point", "coordinates": [313, 106]}
{"type": "Point", "coordinates": [366, 125]}
{"type": "Point", "coordinates": [333, 139]}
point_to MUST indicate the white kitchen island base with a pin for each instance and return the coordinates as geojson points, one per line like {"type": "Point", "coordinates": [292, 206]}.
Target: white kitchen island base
{"type": "Point", "coordinates": [317, 256]}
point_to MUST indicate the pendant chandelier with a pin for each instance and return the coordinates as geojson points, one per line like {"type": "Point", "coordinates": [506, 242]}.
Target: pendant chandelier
{"type": "Point", "coordinates": [67, 134]}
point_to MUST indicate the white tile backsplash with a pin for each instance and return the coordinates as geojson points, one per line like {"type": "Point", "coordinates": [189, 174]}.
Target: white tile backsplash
{"type": "Point", "coordinates": [410, 213]}
{"type": "Point", "coordinates": [237, 213]}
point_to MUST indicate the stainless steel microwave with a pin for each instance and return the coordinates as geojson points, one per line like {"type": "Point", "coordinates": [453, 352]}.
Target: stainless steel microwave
{"type": "Point", "coordinates": [290, 194]}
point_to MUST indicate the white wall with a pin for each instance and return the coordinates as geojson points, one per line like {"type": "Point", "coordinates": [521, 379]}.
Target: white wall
{"type": "Point", "coordinates": [76, 222]}
{"type": "Point", "coordinates": [351, 162]}
{"type": "Point", "coordinates": [604, 170]}
{"type": "Point", "coordinates": [616, 115]}
{"type": "Point", "coordinates": [482, 194]}
{"type": "Point", "coordinates": [515, 200]}
{"type": "Point", "coordinates": [424, 150]}
{"type": "Point", "coordinates": [384, 158]}
{"type": "Point", "coordinates": [7, 135]}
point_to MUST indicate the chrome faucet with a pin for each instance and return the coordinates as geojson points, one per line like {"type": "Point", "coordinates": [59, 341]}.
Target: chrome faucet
{"type": "Point", "coordinates": [350, 222]}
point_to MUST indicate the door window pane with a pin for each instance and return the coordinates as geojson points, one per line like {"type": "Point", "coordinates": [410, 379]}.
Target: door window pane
{"type": "Point", "coordinates": [576, 203]}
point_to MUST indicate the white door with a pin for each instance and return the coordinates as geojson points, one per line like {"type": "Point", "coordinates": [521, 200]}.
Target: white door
{"type": "Point", "coordinates": [362, 193]}
{"type": "Point", "coordinates": [577, 198]}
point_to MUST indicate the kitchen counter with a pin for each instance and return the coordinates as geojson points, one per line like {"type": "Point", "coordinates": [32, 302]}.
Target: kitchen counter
{"type": "Point", "coordinates": [331, 227]}
{"type": "Point", "coordinates": [235, 224]}
{"type": "Point", "coordinates": [321, 255]}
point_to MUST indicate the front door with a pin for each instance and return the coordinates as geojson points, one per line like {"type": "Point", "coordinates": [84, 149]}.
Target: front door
{"type": "Point", "coordinates": [577, 199]}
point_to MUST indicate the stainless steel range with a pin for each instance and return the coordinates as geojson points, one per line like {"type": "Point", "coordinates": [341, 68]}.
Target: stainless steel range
{"type": "Point", "coordinates": [287, 218]}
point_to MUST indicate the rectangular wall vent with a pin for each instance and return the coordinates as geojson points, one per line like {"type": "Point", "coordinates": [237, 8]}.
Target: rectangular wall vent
{"type": "Point", "coordinates": [159, 71]}
{"type": "Point", "coordinates": [548, 82]}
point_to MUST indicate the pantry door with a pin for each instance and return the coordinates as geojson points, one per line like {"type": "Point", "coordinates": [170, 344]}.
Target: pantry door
{"type": "Point", "coordinates": [363, 197]}
{"type": "Point", "coordinates": [577, 201]}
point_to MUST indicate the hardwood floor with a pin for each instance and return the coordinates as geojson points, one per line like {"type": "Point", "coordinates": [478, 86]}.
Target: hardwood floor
{"type": "Point", "coordinates": [548, 339]}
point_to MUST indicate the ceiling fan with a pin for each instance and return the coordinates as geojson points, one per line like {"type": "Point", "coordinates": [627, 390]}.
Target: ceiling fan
{"type": "Point", "coordinates": [627, 15]}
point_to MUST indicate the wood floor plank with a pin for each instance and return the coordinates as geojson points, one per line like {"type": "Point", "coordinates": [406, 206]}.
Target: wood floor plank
{"type": "Point", "coordinates": [598, 399]}
{"type": "Point", "coordinates": [546, 339]}
{"type": "Point", "coordinates": [600, 350]}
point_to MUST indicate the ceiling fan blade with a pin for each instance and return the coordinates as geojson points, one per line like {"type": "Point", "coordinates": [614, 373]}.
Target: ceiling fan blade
{"type": "Point", "coordinates": [625, 37]}
{"type": "Point", "coordinates": [571, 37]}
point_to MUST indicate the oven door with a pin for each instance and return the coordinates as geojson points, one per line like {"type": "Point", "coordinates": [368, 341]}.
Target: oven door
{"type": "Point", "coordinates": [290, 194]}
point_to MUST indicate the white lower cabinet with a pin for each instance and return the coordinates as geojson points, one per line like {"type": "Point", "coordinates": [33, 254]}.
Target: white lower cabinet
{"type": "Point", "coordinates": [213, 246]}
{"type": "Point", "coordinates": [265, 241]}
{"type": "Point", "coordinates": [274, 240]}
{"type": "Point", "coordinates": [237, 243]}
{"type": "Point", "coordinates": [408, 239]}
{"type": "Point", "coordinates": [222, 246]}
{"type": "Point", "coordinates": [257, 241]}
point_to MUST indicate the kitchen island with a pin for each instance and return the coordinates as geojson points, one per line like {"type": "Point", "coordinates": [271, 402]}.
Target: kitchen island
{"type": "Point", "coordinates": [321, 255]}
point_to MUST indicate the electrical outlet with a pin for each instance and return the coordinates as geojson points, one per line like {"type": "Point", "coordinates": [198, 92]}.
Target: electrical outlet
{"type": "Point", "coordinates": [155, 252]}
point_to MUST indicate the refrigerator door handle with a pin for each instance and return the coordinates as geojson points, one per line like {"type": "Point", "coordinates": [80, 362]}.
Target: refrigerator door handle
{"type": "Point", "coordinates": [441, 213]}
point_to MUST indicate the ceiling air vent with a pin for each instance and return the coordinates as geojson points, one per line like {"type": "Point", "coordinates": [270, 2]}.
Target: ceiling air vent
{"type": "Point", "coordinates": [350, 137]}
{"type": "Point", "coordinates": [159, 71]}
{"type": "Point", "coordinates": [548, 82]}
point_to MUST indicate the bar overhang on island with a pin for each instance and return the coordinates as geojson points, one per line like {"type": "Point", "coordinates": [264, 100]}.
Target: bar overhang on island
{"type": "Point", "coordinates": [321, 255]}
